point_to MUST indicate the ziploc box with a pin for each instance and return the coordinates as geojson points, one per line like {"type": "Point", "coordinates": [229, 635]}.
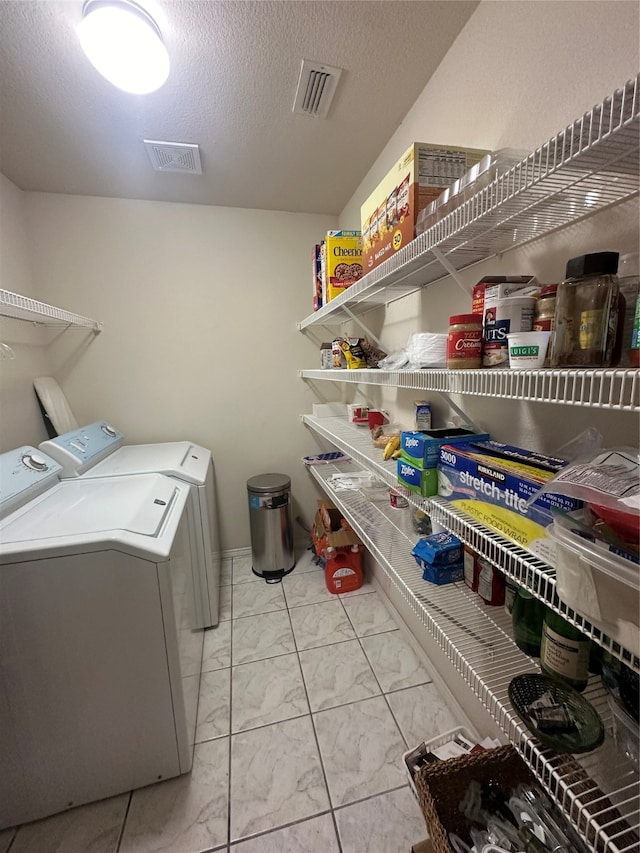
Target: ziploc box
{"type": "Point", "coordinates": [342, 261]}
{"type": "Point", "coordinates": [388, 217]}
{"type": "Point", "coordinates": [495, 491]}
{"type": "Point", "coordinates": [418, 480]}
{"type": "Point", "coordinates": [422, 447]}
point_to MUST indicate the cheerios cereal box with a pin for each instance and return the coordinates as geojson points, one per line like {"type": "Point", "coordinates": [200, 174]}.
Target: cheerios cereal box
{"type": "Point", "coordinates": [389, 215]}
{"type": "Point", "coordinates": [343, 261]}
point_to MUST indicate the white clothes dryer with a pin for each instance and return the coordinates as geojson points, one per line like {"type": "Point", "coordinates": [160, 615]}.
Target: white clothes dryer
{"type": "Point", "coordinates": [98, 450]}
{"type": "Point", "coordinates": [100, 653]}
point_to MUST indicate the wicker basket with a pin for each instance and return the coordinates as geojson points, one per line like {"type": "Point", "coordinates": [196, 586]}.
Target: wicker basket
{"type": "Point", "coordinates": [442, 785]}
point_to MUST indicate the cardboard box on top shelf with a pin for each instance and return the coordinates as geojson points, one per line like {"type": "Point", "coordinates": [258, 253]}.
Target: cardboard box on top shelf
{"type": "Point", "coordinates": [341, 262]}
{"type": "Point", "coordinates": [388, 217]}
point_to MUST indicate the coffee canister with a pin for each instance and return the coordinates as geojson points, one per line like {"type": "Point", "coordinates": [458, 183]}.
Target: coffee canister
{"type": "Point", "coordinates": [511, 314]}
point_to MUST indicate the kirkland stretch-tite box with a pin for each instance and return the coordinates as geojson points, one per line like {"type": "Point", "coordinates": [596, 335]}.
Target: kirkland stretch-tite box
{"type": "Point", "coordinates": [495, 491]}
{"type": "Point", "coordinates": [388, 217]}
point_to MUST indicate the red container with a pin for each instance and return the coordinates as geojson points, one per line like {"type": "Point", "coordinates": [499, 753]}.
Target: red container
{"type": "Point", "coordinates": [471, 568]}
{"type": "Point", "coordinates": [343, 570]}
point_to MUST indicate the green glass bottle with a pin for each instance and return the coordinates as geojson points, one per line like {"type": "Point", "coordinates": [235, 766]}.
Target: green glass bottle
{"type": "Point", "coordinates": [527, 618]}
{"type": "Point", "coordinates": [564, 652]}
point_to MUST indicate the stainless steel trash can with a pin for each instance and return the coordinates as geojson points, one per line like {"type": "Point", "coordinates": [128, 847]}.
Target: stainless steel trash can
{"type": "Point", "coordinates": [271, 523]}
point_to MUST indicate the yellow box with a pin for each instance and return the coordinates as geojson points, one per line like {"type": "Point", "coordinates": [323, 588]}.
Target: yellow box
{"type": "Point", "coordinates": [342, 262]}
{"type": "Point", "coordinates": [388, 217]}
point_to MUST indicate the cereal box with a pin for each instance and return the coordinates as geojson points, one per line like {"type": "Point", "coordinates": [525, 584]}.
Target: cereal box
{"type": "Point", "coordinates": [388, 217]}
{"type": "Point", "coordinates": [342, 261]}
{"type": "Point", "coordinates": [316, 273]}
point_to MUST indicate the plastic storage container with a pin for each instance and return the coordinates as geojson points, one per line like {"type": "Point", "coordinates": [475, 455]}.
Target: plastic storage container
{"type": "Point", "coordinates": [428, 746]}
{"type": "Point", "coordinates": [271, 523]}
{"type": "Point", "coordinates": [625, 733]}
{"type": "Point", "coordinates": [598, 584]}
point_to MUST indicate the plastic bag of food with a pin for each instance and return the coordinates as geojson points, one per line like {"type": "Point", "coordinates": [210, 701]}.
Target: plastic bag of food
{"type": "Point", "coordinates": [395, 360]}
{"type": "Point", "coordinates": [353, 352]}
{"type": "Point", "coordinates": [607, 478]}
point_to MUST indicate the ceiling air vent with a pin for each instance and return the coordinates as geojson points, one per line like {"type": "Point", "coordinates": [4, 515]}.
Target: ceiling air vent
{"type": "Point", "coordinates": [316, 88]}
{"type": "Point", "coordinates": [174, 156]}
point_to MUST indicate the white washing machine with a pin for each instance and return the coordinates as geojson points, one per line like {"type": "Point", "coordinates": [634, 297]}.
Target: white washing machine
{"type": "Point", "coordinates": [97, 450]}
{"type": "Point", "coordinates": [100, 653]}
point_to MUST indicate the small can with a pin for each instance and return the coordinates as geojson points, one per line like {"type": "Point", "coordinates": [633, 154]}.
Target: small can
{"type": "Point", "coordinates": [338, 360]}
{"type": "Point", "coordinates": [326, 356]}
{"type": "Point", "coordinates": [423, 414]}
{"type": "Point", "coordinates": [397, 500]}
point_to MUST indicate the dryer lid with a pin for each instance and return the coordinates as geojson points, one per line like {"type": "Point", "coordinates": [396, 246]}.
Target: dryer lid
{"type": "Point", "coordinates": [181, 459]}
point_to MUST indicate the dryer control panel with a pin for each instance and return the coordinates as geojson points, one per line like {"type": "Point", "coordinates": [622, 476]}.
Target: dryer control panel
{"type": "Point", "coordinates": [24, 473]}
{"type": "Point", "coordinates": [79, 450]}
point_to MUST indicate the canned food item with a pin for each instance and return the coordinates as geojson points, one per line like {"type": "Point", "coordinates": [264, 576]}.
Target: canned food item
{"type": "Point", "coordinates": [397, 500]}
{"type": "Point", "coordinates": [511, 314]}
{"type": "Point", "coordinates": [423, 415]}
{"type": "Point", "coordinates": [326, 356]}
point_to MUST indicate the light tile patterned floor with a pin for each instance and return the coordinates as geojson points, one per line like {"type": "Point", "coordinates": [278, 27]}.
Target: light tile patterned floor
{"type": "Point", "coordinates": [307, 702]}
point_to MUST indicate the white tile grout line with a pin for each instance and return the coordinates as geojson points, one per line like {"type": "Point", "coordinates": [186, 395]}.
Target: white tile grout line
{"type": "Point", "coordinates": [315, 735]}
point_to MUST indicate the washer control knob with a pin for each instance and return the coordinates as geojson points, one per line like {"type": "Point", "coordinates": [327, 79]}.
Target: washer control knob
{"type": "Point", "coordinates": [35, 461]}
{"type": "Point", "coordinates": [108, 430]}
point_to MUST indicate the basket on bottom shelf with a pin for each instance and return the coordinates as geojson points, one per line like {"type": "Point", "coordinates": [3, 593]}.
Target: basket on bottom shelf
{"type": "Point", "coordinates": [442, 785]}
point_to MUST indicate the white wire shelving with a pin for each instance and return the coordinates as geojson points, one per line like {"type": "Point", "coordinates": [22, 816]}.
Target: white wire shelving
{"type": "Point", "coordinates": [19, 307]}
{"type": "Point", "coordinates": [616, 389]}
{"type": "Point", "coordinates": [598, 792]}
{"type": "Point", "coordinates": [525, 568]}
{"type": "Point", "coordinates": [591, 164]}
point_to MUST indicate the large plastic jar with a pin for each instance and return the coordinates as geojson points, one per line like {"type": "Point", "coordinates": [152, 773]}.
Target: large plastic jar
{"type": "Point", "coordinates": [464, 342]}
{"type": "Point", "coordinates": [587, 308]}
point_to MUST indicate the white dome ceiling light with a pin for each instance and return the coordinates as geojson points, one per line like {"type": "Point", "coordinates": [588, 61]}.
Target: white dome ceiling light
{"type": "Point", "coordinates": [124, 43]}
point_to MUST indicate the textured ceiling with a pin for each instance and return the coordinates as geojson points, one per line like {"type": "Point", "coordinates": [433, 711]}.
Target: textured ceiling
{"type": "Point", "coordinates": [235, 66]}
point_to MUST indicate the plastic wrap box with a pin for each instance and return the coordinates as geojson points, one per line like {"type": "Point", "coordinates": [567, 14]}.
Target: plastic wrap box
{"type": "Point", "coordinates": [388, 217]}
{"type": "Point", "coordinates": [422, 448]}
{"type": "Point", "coordinates": [495, 491]}
{"type": "Point", "coordinates": [418, 480]}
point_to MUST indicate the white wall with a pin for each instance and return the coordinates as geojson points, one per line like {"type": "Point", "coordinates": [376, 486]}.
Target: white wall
{"type": "Point", "coordinates": [518, 73]}
{"type": "Point", "coordinates": [20, 420]}
{"type": "Point", "coordinates": [199, 306]}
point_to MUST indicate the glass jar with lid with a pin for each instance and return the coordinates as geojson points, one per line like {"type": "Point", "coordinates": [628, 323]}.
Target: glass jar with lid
{"type": "Point", "coordinates": [586, 315]}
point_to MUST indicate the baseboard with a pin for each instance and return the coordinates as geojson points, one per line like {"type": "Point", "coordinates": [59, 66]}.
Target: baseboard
{"type": "Point", "coordinates": [300, 546]}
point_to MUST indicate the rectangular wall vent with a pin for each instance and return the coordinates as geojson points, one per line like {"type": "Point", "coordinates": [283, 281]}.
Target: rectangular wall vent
{"type": "Point", "coordinates": [174, 156]}
{"type": "Point", "coordinates": [316, 88]}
